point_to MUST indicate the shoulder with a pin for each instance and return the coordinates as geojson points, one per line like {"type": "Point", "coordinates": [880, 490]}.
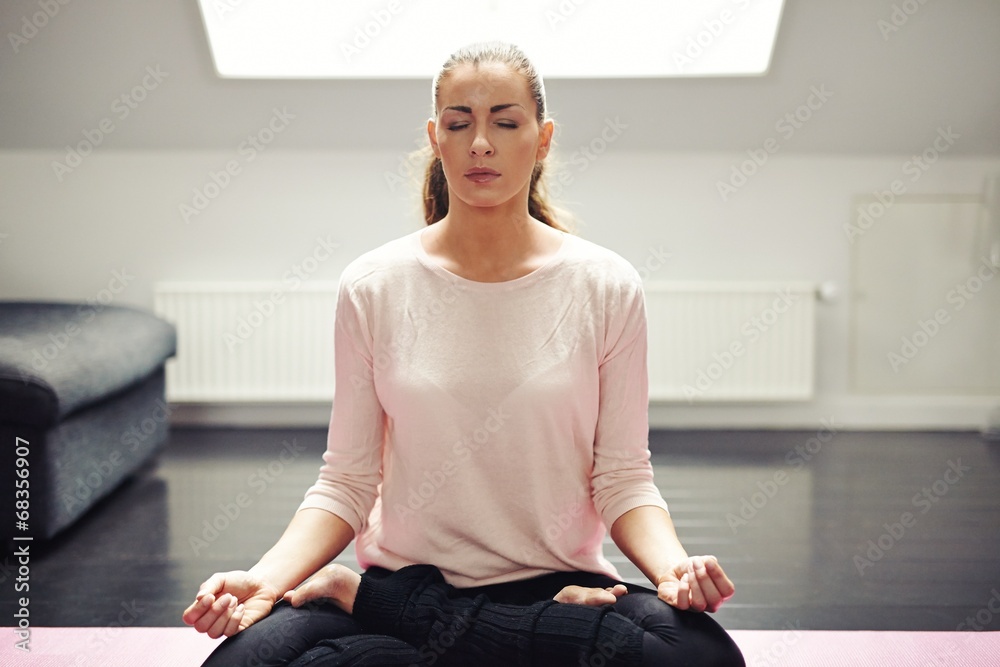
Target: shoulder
{"type": "Point", "coordinates": [382, 264]}
{"type": "Point", "coordinates": [601, 267]}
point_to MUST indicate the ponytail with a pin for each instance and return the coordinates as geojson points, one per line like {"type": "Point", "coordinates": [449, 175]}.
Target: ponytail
{"type": "Point", "coordinates": [539, 206]}
{"type": "Point", "coordinates": [435, 191]}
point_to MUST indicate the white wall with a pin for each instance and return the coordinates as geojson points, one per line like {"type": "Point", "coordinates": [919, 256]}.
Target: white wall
{"type": "Point", "coordinates": [120, 211]}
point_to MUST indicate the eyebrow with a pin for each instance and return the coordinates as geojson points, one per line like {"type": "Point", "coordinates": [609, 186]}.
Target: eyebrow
{"type": "Point", "coordinates": [493, 109]}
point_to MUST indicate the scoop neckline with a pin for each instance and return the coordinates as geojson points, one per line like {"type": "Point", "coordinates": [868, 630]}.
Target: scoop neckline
{"type": "Point", "coordinates": [424, 257]}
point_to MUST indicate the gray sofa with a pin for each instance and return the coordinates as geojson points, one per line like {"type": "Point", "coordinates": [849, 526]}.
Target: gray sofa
{"type": "Point", "coordinates": [82, 394]}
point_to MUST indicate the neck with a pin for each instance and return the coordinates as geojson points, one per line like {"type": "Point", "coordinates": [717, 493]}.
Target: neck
{"type": "Point", "coordinates": [494, 236]}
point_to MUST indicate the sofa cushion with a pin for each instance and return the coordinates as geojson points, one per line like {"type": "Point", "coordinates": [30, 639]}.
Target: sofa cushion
{"type": "Point", "coordinates": [56, 358]}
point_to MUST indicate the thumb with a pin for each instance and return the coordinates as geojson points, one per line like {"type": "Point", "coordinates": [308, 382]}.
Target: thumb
{"type": "Point", "coordinates": [676, 593]}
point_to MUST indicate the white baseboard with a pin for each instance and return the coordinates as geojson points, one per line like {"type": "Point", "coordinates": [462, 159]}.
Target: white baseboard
{"type": "Point", "coordinates": [850, 413]}
{"type": "Point", "coordinates": [864, 413]}
{"type": "Point", "coordinates": [251, 415]}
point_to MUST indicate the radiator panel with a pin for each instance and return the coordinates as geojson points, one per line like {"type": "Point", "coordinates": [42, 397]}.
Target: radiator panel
{"type": "Point", "coordinates": [708, 341]}
{"type": "Point", "coordinates": [245, 342]}
{"type": "Point", "coordinates": [739, 341]}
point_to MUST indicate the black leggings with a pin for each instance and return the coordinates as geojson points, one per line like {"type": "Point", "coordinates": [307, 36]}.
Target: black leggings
{"type": "Point", "coordinates": [413, 618]}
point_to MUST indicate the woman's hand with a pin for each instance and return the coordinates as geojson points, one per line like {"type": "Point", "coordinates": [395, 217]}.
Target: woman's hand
{"type": "Point", "coordinates": [333, 582]}
{"type": "Point", "coordinates": [230, 602]}
{"type": "Point", "coordinates": [594, 597]}
{"type": "Point", "coordinates": [697, 583]}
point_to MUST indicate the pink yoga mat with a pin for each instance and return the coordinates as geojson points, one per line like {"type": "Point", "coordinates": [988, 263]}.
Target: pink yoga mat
{"type": "Point", "coordinates": [179, 647]}
{"type": "Point", "coordinates": [822, 648]}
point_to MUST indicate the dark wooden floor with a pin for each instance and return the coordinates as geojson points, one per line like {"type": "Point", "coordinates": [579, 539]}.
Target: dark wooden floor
{"type": "Point", "coordinates": [888, 531]}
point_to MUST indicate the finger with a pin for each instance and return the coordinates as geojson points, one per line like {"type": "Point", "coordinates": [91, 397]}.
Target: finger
{"type": "Point", "coordinates": [219, 627]}
{"type": "Point", "coordinates": [683, 593]}
{"type": "Point", "coordinates": [212, 615]}
{"type": "Point", "coordinates": [235, 621]}
{"type": "Point", "coordinates": [696, 597]}
{"type": "Point", "coordinates": [596, 598]}
{"type": "Point", "coordinates": [668, 593]}
{"type": "Point", "coordinates": [713, 599]}
{"type": "Point", "coordinates": [618, 590]}
{"type": "Point", "coordinates": [197, 609]}
{"type": "Point", "coordinates": [719, 578]}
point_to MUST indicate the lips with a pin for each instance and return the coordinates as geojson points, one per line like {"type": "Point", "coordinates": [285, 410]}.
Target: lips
{"type": "Point", "coordinates": [482, 175]}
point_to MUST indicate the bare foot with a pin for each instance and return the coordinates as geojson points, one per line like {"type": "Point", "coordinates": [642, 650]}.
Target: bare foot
{"type": "Point", "coordinates": [594, 597]}
{"type": "Point", "coordinates": [333, 582]}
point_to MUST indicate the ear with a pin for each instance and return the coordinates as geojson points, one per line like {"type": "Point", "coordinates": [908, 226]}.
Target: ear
{"type": "Point", "coordinates": [432, 136]}
{"type": "Point", "coordinates": [545, 133]}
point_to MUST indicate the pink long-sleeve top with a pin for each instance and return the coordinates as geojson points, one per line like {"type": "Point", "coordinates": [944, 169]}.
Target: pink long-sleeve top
{"type": "Point", "coordinates": [495, 430]}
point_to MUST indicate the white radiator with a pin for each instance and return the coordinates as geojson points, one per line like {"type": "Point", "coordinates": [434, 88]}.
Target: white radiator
{"type": "Point", "coordinates": [249, 341]}
{"type": "Point", "coordinates": [708, 341]}
{"type": "Point", "coordinates": [731, 341]}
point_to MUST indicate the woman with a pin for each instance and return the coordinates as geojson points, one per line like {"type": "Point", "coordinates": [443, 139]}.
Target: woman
{"type": "Point", "coordinates": [489, 426]}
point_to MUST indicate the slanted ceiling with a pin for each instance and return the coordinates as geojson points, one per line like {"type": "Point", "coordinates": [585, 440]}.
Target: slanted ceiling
{"type": "Point", "coordinates": [882, 78]}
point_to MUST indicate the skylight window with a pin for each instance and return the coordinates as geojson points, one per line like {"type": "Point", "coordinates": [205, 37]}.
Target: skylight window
{"type": "Point", "coordinates": [279, 39]}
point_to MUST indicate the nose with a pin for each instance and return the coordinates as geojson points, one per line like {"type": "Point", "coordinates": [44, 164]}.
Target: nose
{"type": "Point", "coordinates": [481, 145]}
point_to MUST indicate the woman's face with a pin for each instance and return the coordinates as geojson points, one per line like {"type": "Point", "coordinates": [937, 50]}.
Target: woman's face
{"type": "Point", "coordinates": [487, 135]}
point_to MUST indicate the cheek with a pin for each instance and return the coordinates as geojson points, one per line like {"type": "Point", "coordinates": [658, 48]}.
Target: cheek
{"type": "Point", "coordinates": [527, 148]}
{"type": "Point", "coordinates": [453, 148]}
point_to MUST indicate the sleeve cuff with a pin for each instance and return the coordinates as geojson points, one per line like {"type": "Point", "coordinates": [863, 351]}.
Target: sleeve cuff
{"type": "Point", "coordinates": [333, 507]}
{"type": "Point", "coordinates": [615, 511]}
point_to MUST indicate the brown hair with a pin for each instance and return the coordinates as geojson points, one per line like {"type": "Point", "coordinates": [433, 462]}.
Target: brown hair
{"type": "Point", "coordinates": [435, 192]}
